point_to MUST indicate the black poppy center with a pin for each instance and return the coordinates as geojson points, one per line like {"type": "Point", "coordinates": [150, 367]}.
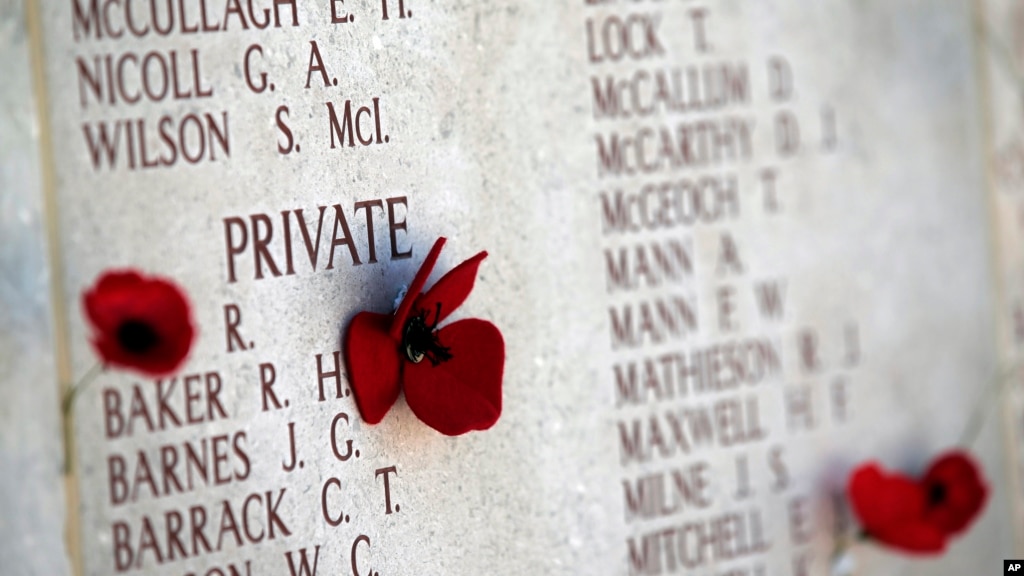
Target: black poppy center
{"type": "Point", "coordinates": [936, 494]}
{"type": "Point", "coordinates": [137, 337]}
{"type": "Point", "coordinates": [420, 341]}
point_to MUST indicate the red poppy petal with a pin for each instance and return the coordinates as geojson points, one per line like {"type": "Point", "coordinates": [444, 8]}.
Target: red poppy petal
{"type": "Point", "coordinates": [402, 314]}
{"type": "Point", "coordinates": [954, 466]}
{"type": "Point", "coordinates": [964, 491]}
{"type": "Point", "coordinates": [957, 510]}
{"type": "Point", "coordinates": [163, 307]}
{"type": "Point", "coordinates": [883, 500]}
{"type": "Point", "coordinates": [168, 312]}
{"type": "Point", "coordinates": [113, 292]}
{"type": "Point", "coordinates": [914, 537]}
{"type": "Point", "coordinates": [119, 279]}
{"type": "Point", "coordinates": [373, 364]}
{"type": "Point", "coordinates": [451, 290]}
{"type": "Point", "coordinates": [463, 393]}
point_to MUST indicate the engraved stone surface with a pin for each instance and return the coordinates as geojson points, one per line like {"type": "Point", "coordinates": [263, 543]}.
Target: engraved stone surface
{"type": "Point", "coordinates": [736, 249]}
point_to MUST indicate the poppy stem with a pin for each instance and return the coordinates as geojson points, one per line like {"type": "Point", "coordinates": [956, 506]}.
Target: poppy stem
{"type": "Point", "coordinates": [841, 547]}
{"type": "Point", "coordinates": [67, 405]}
{"type": "Point", "coordinates": [838, 548]}
{"type": "Point", "coordinates": [72, 393]}
{"type": "Point", "coordinates": [973, 427]}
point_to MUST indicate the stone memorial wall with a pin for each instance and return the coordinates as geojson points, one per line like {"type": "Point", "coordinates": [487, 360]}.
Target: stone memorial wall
{"type": "Point", "coordinates": [735, 250]}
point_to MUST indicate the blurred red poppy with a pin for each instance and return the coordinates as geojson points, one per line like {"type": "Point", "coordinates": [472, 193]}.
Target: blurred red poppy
{"type": "Point", "coordinates": [918, 516]}
{"type": "Point", "coordinates": [139, 322]}
{"type": "Point", "coordinates": [956, 492]}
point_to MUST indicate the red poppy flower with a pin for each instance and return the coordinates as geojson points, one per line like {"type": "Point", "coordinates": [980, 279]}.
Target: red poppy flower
{"type": "Point", "coordinates": [142, 323]}
{"type": "Point", "coordinates": [956, 492]}
{"type": "Point", "coordinates": [451, 376]}
{"type": "Point", "coordinates": [891, 509]}
{"type": "Point", "coordinates": [918, 516]}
